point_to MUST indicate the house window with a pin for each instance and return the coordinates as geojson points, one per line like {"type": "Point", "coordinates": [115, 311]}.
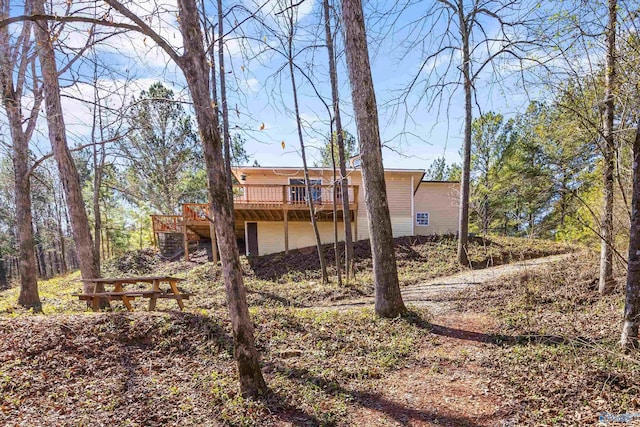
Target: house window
{"type": "Point", "coordinates": [422, 218]}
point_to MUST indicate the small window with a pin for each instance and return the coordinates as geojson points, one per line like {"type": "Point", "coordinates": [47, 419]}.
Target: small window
{"type": "Point", "coordinates": [422, 218]}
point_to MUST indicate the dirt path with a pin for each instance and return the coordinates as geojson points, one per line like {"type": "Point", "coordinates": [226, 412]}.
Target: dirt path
{"type": "Point", "coordinates": [447, 385]}
{"type": "Point", "coordinates": [435, 294]}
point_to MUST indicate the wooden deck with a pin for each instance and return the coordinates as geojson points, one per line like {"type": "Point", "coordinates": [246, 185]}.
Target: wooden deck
{"type": "Point", "coordinates": [258, 202]}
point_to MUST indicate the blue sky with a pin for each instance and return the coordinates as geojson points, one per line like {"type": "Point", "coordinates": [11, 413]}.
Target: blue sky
{"type": "Point", "coordinates": [415, 138]}
{"type": "Point", "coordinates": [260, 95]}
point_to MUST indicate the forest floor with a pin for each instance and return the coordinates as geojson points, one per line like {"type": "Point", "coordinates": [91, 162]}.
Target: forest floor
{"type": "Point", "coordinates": [523, 344]}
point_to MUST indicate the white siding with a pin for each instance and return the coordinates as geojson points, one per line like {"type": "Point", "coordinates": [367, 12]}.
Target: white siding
{"type": "Point", "coordinates": [399, 193]}
{"type": "Point", "coordinates": [271, 235]}
{"type": "Point", "coordinates": [440, 200]}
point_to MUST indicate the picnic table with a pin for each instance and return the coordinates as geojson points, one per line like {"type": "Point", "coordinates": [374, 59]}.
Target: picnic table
{"type": "Point", "coordinates": [153, 292]}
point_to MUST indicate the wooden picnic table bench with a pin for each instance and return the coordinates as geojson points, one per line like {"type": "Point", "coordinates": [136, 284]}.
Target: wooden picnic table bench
{"type": "Point", "coordinates": [126, 296]}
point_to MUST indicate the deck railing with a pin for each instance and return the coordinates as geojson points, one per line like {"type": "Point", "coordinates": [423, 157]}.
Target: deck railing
{"type": "Point", "coordinates": [257, 196]}
{"type": "Point", "coordinates": [195, 211]}
{"type": "Point", "coordinates": [167, 223]}
{"type": "Point", "coordinates": [289, 194]}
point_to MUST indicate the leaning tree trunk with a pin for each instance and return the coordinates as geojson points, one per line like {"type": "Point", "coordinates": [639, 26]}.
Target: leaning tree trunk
{"type": "Point", "coordinates": [310, 202]}
{"type": "Point", "coordinates": [194, 65]}
{"type": "Point", "coordinates": [388, 298]}
{"type": "Point", "coordinates": [629, 337]}
{"type": "Point", "coordinates": [66, 166]}
{"type": "Point", "coordinates": [606, 283]}
{"type": "Point", "coordinates": [344, 183]}
{"type": "Point", "coordinates": [463, 221]}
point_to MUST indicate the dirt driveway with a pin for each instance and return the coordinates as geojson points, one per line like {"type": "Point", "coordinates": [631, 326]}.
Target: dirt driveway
{"type": "Point", "coordinates": [436, 294]}
{"type": "Point", "coordinates": [447, 385]}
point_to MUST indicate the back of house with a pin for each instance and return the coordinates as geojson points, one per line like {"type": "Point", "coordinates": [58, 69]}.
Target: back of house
{"type": "Point", "coordinates": [272, 214]}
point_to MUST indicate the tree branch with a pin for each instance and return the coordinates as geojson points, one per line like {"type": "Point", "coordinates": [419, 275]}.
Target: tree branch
{"type": "Point", "coordinates": [84, 19]}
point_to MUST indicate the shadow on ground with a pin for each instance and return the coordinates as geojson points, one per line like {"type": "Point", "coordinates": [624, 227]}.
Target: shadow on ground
{"type": "Point", "coordinates": [374, 401]}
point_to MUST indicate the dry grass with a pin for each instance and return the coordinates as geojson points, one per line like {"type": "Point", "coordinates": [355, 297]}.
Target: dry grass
{"type": "Point", "coordinates": [70, 367]}
{"type": "Point", "coordinates": [146, 369]}
{"type": "Point", "coordinates": [558, 361]}
{"type": "Point", "coordinates": [293, 280]}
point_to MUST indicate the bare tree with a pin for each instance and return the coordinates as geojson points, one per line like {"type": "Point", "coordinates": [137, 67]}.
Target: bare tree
{"type": "Point", "coordinates": [385, 273]}
{"type": "Point", "coordinates": [16, 61]}
{"type": "Point", "coordinates": [223, 98]}
{"type": "Point", "coordinates": [464, 27]}
{"type": "Point", "coordinates": [344, 183]}
{"type": "Point", "coordinates": [193, 63]}
{"type": "Point", "coordinates": [606, 282]}
{"type": "Point", "coordinates": [57, 134]}
{"type": "Point", "coordinates": [334, 194]}
{"type": "Point", "coordinates": [629, 338]}
{"type": "Point", "coordinates": [290, 10]}
{"type": "Point", "coordinates": [99, 157]}
{"type": "Point", "coordinates": [475, 34]}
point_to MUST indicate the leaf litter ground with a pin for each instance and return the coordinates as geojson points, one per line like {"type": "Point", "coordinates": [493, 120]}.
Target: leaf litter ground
{"type": "Point", "coordinates": [323, 367]}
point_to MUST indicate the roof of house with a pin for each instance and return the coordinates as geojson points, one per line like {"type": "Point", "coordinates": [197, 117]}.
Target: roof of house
{"type": "Point", "coordinates": [269, 168]}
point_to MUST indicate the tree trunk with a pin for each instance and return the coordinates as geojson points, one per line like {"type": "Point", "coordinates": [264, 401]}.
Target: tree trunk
{"type": "Point", "coordinates": [42, 266]}
{"type": "Point", "coordinates": [344, 183]}
{"type": "Point", "coordinates": [631, 319]}
{"type": "Point", "coordinates": [607, 283]}
{"type": "Point", "coordinates": [485, 214]}
{"type": "Point", "coordinates": [67, 168]}
{"type": "Point", "coordinates": [29, 296]}
{"type": "Point", "coordinates": [58, 263]}
{"type": "Point", "coordinates": [3, 275]}
{"type": "Point", "coordinates": [225, 107]}
{"type": "Point", "coordinates": [194, 65]}
{"type": "Point", "coordinates": [98, 164]}
{"type": "Point", "coordinates": [11, 97]}
{"type": "Point", "coordinates": [60, 236]}
{"type": "Point", "coordinates": [51, 263]}
{"type": "Point", "coordinates": [27, 268]}
{"type": "Point", "coordinates": [334, 194]}
{"type": "Point", "coordinates": [388, 298]}
{"type": "Point", "coordinates": [463, 224]}
{"type": "Point", "coordinates": [307, 184]}
{"type": "Point", "coordinates": [216, 115]}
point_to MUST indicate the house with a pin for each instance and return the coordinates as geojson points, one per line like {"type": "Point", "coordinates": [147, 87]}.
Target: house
{"type": "Point", "coordinates": [272, 215]}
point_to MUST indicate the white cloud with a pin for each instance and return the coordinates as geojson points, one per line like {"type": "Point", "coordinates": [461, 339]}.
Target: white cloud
{"type": "Point", "coordinates": [272, 8]}
{"type": "Point", "coordinates": [77, 102]}
{"type": "Point", "coordinates": [251, 85]}
{"type": "Point", "coordinates": [160, 16]}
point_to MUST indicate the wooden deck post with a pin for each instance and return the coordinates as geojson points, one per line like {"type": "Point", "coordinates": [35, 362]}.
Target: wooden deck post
{"type": "Point", "coordinates": [214, 242]}
{"type": "Point", "coordinates": [186, 241]}
{"type": "Point", "coordinates": [355, 212]}
{"type": "Point", "coordinates": [285, 213]}
{"type": "Point", "coordinates": [355, 225]}
{"type": "Point", "coordinates": [286, 232]}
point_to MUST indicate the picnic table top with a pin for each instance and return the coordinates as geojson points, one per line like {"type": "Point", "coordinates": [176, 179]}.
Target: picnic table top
{"type": "Point", "coordinates": [131, 279]}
